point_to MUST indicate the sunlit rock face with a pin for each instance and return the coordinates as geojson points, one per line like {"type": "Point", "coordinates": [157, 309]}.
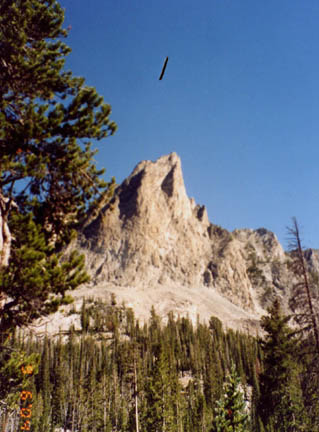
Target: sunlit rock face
{"type": "Point", "coordinates": [155, 241]}
{"type": "Point", "coordinates": [151, 233]}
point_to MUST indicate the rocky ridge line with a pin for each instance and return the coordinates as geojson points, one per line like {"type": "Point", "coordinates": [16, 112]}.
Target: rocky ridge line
{"type": "Point", "coordinates": [152, 245]}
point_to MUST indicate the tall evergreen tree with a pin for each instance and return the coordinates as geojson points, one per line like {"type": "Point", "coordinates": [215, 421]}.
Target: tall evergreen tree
{"type": "Point", "coordinates": [44, 383]}
{"type": "Point", "coordinates": [33, 272]}
{"type": "Point", "coordinates": [161, 392]}
{"type": "Point", "coordinates": [47, 119]}
{"type": "Point", "coordinates": [60, 393]}
{"type": "Point", "coordinates": [230, 414]}
{"type": "Point", "coordinates": [281, 405]}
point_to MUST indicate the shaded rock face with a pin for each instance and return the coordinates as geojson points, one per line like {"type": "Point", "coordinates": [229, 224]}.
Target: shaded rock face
{"type": "Point", "coordinates": [153, 235]}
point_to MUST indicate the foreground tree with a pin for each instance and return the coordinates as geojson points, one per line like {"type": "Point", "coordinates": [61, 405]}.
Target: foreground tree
{"type": "Point", "coordinates": [281, 404]}
{"type": "Point", "coordinates": [16, 371]}
{"type": "Point", "coordinates": [34, 280]}
{"type": "Point", "coordinates": [230, 414]}
{"type": "Point", "coordinates": [48, 180]}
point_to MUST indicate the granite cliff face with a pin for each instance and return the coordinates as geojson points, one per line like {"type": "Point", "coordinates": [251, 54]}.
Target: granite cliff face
{"type": "Point", "coordinates": [152, 245]}
{"type": "Point", "coordinates": [151, 233]}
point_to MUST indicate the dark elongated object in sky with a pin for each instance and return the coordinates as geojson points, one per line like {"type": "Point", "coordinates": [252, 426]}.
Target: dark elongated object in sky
{"type": "Point", "coordinates": [164, 67]}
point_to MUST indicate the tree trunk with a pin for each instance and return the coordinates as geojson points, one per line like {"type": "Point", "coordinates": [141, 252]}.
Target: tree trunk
{"type": "Point", "coordinates": [6, 204]}
{"type": "Point", "coordinates": [306, 284]}
{"type": "Point", "coordinates": [4, 421]}
{"type": "Point", "coordinates": [136, 399]}
{"type": "Point", "coordinates": [5, 241]}
{"type": "Point", "coordinates": [5, 235]}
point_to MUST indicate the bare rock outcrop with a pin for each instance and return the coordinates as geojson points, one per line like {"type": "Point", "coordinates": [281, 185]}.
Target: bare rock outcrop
{"type": "Point", "coordinates": [152, 245]}
{"type": "Point", "coordinates": [151, 233]}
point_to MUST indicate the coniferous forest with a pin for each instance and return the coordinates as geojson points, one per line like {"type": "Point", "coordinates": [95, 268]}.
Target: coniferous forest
{"type": "Point", "coordinates": [116, 375]}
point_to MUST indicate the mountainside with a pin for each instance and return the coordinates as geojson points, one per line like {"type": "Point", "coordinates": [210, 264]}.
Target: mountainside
{"type": "Point", "coordinates": [152, 245]}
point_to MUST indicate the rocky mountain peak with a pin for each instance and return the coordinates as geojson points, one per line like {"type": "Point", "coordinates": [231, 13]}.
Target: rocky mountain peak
{"type": "Point", "coordinates": [152, 245]}
{"type": "Point", "coordinates": [141, 237]}
{"type": "Point", "coordinates": [153, 189]}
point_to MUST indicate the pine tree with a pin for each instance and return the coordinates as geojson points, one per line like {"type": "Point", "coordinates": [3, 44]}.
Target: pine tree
{"type": "Point", "coordinates": [161, 392]}
{"type": "Point", "coordinates": [43, 379]}
{"type": "Point", "coordinates": [13, 377]}
{"type": "Point", "coordinates": [33, 272]}
{"type": "Point", "coordinates": [281, 405]}
{"type": "Point", "coordinates": [48, 180]}
{"type": "Point", "coordinates": [230, 415]}
{"type": "Point", "coordinates": [85, 317]}
{"type": "Point", "coordinates": [47, 173]}
{"type": "Point", "coordinates": [60, 380]}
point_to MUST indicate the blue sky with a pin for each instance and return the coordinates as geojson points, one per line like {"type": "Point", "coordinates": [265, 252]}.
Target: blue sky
{"type": "Point", "coordinates": [239, 101]}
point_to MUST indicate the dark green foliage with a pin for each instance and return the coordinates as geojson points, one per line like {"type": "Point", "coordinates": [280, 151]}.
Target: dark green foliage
{"type": "Point", "coordinates": [167, 374]}
{"type": "Point", "coordinates": [114, 380]}
{"type": "Point", "coordinates": [167, 377]}
{"type": "Point", "coordinates": [281, 402]}
{"type": "Point", "coordinates": [43, 109]}
{"type": "Point", "coordinates": [85, 318]}
{"type": "Point", "coordinates": [230, 415]}
{"type": "Point", "coordinates": [158, 395]}
{"type": "Point", "coordinates": [48, 179]}
{"type": "Point", "coordinates": [35, 279]}
{"type": "Point", "coordinates": [12, 376]}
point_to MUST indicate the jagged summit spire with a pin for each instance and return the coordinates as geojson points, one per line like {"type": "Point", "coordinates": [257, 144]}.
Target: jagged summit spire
{"type": "Point", "coordinates": [145, 231]}
{"type": "Point", "coordinates": [155, 188]}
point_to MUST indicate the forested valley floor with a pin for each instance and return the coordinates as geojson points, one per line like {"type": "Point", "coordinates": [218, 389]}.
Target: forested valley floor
{"type": "Point", "coordinates": [115, 375]}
